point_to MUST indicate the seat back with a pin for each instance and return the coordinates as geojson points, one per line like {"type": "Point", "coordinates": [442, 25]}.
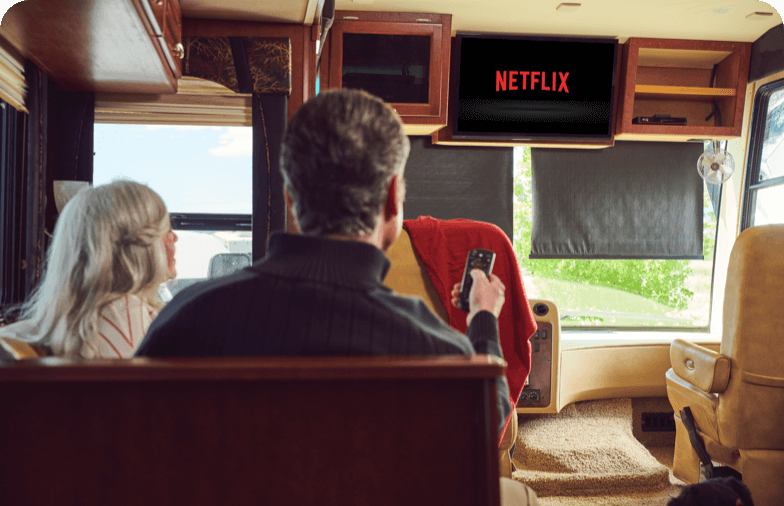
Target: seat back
{"type": "Point", "coordinates": [750, 410]}
{"type": "Point", "coordinates": [408, 275]}
{"type": "Point", "coordinates": [252, 430]}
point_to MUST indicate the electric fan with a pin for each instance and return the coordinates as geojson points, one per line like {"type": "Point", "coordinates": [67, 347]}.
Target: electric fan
{"type": "Point", "coordinates": [716, 165]}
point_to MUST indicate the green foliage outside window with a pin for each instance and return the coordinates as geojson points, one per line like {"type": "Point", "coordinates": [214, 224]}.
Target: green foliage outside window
{"type": "Point", "coordinates": [662, 281]}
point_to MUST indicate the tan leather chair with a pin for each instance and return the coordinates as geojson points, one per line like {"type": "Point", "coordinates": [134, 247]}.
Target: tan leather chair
{"type": "Point", "coordinates": [408, 275]}
{"type": "Point", "coordinates": [736, 396]}
{"type": "Point", "coordinates": [17, 348]}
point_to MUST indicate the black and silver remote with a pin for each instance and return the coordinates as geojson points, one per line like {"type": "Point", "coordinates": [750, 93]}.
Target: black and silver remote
{"type": "Point", "coordinates": [481, 259]}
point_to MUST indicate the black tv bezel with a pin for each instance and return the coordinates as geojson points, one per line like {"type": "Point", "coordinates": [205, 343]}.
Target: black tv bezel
{"type": "Point", "coordinates": [533, 137]}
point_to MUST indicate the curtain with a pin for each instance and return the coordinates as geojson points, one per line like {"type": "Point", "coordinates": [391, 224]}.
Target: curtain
{"type": "Point", "coordinates": [12, 191]}
{"type": "Point", "coordinates": [261, 67]}
{"type": "Point", "coordinates": [70, 131]}
{"type": "Point", "coordinates": [632, 200]}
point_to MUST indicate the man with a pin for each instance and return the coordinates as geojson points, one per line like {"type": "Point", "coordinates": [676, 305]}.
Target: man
{"type": "Point", "coordinates": [320, 292]}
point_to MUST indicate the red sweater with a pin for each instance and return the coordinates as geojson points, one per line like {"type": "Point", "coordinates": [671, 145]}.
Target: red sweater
{"type": "Point", "coordinates": [443, 247]}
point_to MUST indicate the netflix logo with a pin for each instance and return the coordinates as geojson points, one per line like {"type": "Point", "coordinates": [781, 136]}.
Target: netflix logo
{"type": "Point", "coordinates": [513, 80]}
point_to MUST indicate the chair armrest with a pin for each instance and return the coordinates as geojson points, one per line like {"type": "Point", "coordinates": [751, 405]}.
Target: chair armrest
{"type": "Point", "coordinates": [705, 369]}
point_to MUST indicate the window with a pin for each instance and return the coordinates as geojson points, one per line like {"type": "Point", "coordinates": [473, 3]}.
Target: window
{"type": "Point", "coordinates": [617, 294]}
{"type": "Point", "coordinates": [765, 172]}
{"type": "Point", "coordinates": [203, 174]}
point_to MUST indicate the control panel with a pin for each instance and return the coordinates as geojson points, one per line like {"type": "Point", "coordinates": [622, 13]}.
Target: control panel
{"type": "Point", "coordinates": [538, 395]}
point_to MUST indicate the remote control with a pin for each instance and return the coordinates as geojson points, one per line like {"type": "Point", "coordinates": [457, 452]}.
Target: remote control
{"type": "Point", "coordinates": [482, 259]}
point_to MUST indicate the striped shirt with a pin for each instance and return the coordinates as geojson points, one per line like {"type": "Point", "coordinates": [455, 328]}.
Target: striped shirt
{"type": "Point", "coordinates": [122, 326]}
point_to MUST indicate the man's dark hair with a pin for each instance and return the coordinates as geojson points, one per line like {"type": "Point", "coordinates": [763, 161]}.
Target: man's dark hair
{"type": "Point", "coordinates": [714, 492]}
{"type": "Point", "coordinates": [339, 154]}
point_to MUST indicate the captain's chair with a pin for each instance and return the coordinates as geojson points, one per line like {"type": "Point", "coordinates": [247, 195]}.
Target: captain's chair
{"type": "Point", "coordinates": [737, 396]}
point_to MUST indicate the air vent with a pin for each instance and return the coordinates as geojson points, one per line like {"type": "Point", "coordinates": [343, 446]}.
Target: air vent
{"type": "Point", "coordinates": [658, 422]}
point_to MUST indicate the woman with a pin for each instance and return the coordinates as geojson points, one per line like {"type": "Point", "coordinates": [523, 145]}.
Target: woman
{"type": "Point", "coordinates": [112, 248]}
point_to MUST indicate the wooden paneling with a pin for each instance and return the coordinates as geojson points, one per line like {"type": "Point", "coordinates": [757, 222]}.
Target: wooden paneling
{"type": "Point", "coordinates": [299, 431]}
{"type": "Point", "coordinates": [91, 45]}
{"type": "Point", "coordinates": [303, 49]}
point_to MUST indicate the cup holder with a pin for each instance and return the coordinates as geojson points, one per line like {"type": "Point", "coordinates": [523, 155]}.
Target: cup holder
{"type": "Point", "coordinates": [541, 309]}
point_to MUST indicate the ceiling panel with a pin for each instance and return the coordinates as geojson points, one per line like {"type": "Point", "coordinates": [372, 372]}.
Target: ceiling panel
{"type": "Point", "coordinates": [677, 19]}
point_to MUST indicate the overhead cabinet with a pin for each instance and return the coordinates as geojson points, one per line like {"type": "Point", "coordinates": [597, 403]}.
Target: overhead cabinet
{"type": "Point", "coordinates": [702, 81]}
{"type": "Point", "coordinates": [126, 46]}
{"type": "Point", "coordinates": [401, 57]}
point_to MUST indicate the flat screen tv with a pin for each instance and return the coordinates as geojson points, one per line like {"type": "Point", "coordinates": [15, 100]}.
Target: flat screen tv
{"type": "Point", "coordinates": [515, 87]}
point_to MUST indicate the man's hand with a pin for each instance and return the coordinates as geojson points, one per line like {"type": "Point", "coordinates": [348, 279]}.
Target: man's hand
{"type": "Point", "coordinates": [486, 294]}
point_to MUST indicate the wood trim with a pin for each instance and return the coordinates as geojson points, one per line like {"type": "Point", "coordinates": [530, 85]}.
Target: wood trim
{"type": "Point", "coordinates": [319, 369]}
{"type": "Point", "coordinates": [394, 17]}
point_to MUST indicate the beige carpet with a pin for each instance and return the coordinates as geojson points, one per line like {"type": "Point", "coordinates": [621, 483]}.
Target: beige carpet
{"type": "Point", "coordinates": [589, 450]}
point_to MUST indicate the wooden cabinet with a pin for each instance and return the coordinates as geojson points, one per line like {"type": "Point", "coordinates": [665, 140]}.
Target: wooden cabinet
{"type": "Point", "coordinates": [702, 81]}
{"type": "Point", "coordinates": [401, 57]}
{"type": "Point", "coordinates": [165, 21]}
{"type": "Point", "coordinates": [125, 46]}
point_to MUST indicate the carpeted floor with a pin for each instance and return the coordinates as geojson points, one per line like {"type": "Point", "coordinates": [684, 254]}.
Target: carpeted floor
{"type": "Point", "coordinates": [588, 455]}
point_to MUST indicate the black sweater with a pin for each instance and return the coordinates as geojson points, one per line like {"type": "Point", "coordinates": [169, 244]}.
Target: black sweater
{"type": "Point", "coordinates": [312, 296]}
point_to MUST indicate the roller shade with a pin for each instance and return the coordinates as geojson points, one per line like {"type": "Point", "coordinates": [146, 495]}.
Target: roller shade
{"type": "Point", "coordinates": [635, 200]}
{"type": "Point", "coordinates": [767, 54]}
{"type": "Point", "coordinates": [447, 182]}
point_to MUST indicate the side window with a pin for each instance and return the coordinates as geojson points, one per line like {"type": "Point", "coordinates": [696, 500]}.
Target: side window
{"type": "Point", "coordinates": [764, 191]}
{"type": "Point", "coordinates": [203, 174]}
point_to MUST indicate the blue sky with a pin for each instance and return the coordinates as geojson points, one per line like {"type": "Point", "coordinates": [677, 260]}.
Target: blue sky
{"type": "Point", "coordinates": [196, 169]}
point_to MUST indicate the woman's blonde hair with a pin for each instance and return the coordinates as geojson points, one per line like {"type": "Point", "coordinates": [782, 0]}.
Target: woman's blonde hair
{"type": "Point", "coordinates": [107, 243]}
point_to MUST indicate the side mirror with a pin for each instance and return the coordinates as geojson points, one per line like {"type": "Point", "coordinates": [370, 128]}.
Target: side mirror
{"type": "Point", "coordinates": [223, 264]}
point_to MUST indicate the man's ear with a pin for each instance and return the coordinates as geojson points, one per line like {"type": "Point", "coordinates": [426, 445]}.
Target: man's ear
{"type": "Point", "coordinates": [392, 207]}
{"type": "Point", "coordinates": [292, 226]}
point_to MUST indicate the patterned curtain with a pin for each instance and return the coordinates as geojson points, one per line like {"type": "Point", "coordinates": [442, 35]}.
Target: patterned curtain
{"type": "Point", "coordinates": [261, 67]}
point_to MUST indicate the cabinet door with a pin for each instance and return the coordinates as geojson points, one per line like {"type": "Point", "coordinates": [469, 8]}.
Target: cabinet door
{"type": "Point", "coordinates": [401, 62]}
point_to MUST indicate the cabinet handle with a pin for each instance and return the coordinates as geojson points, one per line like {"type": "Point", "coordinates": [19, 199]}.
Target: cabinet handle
{"type": "Point", "coordinates": [423, 21]}
{"type": "Point", "coordinates": [159, 3]}
{"type": "Point", "coordinates": [350, 18]}
{"type": "Point", "coordinates": [179, 51]}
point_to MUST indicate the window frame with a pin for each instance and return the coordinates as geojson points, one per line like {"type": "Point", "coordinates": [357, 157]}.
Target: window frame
{"type": "Point", "coordinates": [211, 222]}
{"type": "Point", "coordinates": [751, 184]}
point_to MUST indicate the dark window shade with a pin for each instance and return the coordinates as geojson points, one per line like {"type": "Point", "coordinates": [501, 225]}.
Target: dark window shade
{"type": "Point", "coordinates": [767, 54]}
{"type": "Point", "coordinates": [448, 182]}
{"type": "Point", "coordinates": [633, 200]}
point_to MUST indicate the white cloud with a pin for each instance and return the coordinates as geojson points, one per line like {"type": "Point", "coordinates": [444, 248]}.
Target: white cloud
{"type": "Point", "coordinates": [237, 141]}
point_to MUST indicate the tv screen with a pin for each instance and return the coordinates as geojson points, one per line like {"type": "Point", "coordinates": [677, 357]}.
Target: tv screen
{"type": "Point", "coordinates": [534, 88]}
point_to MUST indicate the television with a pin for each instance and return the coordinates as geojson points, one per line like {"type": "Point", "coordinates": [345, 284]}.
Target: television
{"type": "Point", "coordinates": [512, 87]}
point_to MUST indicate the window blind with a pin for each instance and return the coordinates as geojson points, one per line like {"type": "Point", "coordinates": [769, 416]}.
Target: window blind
{"type": "Point", "coordinates": [639, 200]}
